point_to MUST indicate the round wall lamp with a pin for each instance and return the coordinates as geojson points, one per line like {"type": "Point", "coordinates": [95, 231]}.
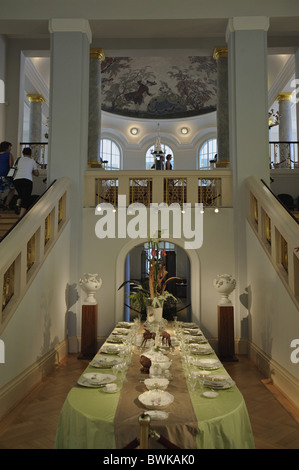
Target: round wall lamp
{"type": "Point", "coordinates": [184, 130]}
{"type": "Point", "coordinates": [134, 130]}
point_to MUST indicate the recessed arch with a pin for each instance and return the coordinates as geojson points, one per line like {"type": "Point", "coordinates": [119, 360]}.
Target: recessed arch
{"type": "Point", "coordinates": [194, 276]}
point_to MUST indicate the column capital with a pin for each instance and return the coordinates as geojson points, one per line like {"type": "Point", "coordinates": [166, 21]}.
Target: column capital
{"type": "Point", "coordinates": [284, 96]}
{"type": "Point", "coordinates": [35, 98]}
{"type": "Point", "coordinates": [65, 25]}
{"type": "Point", "coordinates": [220, 52]}
{"type": "Point", "coordinates": [97, 54]}
{"type": "Point", "coordinates": [247, 23]}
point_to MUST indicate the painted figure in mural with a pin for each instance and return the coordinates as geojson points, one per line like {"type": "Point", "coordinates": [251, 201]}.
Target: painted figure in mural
{"type": "Point", "coordinates": [137, 96]}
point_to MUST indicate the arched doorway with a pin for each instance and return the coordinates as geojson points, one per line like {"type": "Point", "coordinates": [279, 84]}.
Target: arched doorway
{"type": "Point", "coordinates": [187, 266]}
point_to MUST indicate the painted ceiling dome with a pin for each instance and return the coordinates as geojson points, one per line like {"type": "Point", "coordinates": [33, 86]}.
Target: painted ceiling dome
{"type": "Point", "coordinates": [159, 87]}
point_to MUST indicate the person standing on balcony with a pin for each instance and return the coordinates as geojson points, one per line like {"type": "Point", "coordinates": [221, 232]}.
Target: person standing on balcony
{"type": "Point", "coordinates": [168, 165]}
{"type": "Point", "coordinates": [6, 162]}
{"type": "Point", "coordinates": [23, 180]}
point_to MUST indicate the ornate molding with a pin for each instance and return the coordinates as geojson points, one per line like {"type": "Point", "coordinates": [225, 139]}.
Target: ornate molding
{"type": "Point", "coordinates": [284, 96]}
{"type": "Point", "coordinates": [65, 25]}
{"type": "Point", "coordinates": [220, 52]}
{"type": "Point", "coordinates": [97, 54]}
{"type": "Point", "coordinates": [35, 98]}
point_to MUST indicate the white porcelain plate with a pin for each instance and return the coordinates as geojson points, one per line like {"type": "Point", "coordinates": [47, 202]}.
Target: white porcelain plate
{"type": "Point", "coordinates": [156, 399]}
{"type": "Point", "coordinates": [219, 381]}
{"type": "Point", "coordinates": [111, 349]}
{"type": "Point", "coordinates": [210, 394]}
{"type": "Point", "coordinates": [204, 363]}
{"type": "Point", "coordinates": [124, 324]}
{"type": "Point", "coordinates": [96, 379]}
{"type": "Point", "coordinates": [104, 362]}
{"type": "Point", "coordinates": [201, 349]}
{"type": "Point", "coordinates": [120, 331]}
{"type": "Point", "coordinates": [110, 391]}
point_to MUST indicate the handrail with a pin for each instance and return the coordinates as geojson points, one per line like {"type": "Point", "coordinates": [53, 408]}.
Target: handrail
{"type": "Point", "coordinates": [24, 251]}
{"type": "Point", "coordinates": [277, 232]}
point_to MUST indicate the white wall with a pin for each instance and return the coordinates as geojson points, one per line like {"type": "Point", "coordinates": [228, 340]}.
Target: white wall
{"type": "Point", "coordinates": [39, 323]}
{"type": "Point", "coordinates": [273, 317]}
{"type": "Point", "coordinates": [214, 257]}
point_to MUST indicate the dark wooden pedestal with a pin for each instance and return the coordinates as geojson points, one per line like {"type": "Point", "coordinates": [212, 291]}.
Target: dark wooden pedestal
{"type": "Point", "coordinates": [89, 331]}
{"type": "Point", "coordinates": [226, 339]}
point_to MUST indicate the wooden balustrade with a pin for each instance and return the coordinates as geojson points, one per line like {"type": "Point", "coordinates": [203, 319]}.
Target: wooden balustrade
{"type": "Point", "coordinates": [211, 188]}
{"type": "Point", "coordinates": [278, 233]}
{"type": "Point", "coordinates": [24, 250]}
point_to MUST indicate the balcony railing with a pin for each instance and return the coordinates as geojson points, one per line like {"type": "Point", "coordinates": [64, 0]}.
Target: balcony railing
{"type": "Point", "coordinates": [283, 155]}
{"type": "Point", "coordinates": [211, 188]}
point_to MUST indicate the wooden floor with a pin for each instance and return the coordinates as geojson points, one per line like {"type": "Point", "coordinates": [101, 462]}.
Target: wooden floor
{"type": "Point", "coordinates": [32, 425]}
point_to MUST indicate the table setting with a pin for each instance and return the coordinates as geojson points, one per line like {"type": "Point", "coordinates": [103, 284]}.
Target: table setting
{"type": "Point", "coordinates": [171, 382]}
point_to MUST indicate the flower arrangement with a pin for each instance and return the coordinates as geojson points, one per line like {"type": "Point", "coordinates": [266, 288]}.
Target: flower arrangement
{"type": "Point", "coordinates": [155, 294]}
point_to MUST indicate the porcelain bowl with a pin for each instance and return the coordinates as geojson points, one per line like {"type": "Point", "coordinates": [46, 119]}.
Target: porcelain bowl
{"type": "Point", "coordinates": [156, 383]}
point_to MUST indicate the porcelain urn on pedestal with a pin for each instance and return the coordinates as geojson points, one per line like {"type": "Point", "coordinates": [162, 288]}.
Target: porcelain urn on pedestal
{"type": "Point", "coordinates": [90, 283]}
{"type": "Point", "coordinates": [224, 284]}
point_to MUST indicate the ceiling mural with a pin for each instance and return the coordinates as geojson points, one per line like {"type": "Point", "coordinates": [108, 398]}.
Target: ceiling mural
{"type": "Point", "coordinates": [159, 87]}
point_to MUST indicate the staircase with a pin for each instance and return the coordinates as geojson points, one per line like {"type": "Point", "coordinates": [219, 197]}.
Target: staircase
{"type": "Point", "coordinates": [7, 220]}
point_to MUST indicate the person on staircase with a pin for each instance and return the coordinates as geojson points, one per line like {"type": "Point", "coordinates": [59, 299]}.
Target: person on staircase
{"type": "Point", "coordinates": [6, 162]}
{"type": "Point", "coordinates": [23, 180]}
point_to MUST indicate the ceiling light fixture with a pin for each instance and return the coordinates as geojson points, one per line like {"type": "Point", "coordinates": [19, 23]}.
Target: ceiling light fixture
{"type": "Point", "coordinates": [134, 131]}
{"type": "Point", "coordinates": [184, 130]}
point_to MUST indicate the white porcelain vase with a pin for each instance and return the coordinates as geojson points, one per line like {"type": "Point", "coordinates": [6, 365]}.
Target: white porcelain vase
{"type": "Point", "coordinates": [154, 314]}
{"type": "Point", "coordinates": [90, 283]}
{"type": "Point", "coordinates": [224, 284]}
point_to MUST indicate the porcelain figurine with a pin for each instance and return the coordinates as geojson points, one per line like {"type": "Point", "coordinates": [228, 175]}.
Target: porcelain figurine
{"type": "Point", "coordinates": [225, 284]}
{"type": "Point", "coordinates": [90, 283]}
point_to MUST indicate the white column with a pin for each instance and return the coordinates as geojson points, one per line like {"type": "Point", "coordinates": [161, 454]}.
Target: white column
{"type": "Point", "coordinates": [221, 56]}
{"type": "Point", "coordinates": [285, 128]}
{"type": "Point", "coordinates": [95, 106]}
{"type": "Point", "coordinates": [35, 122]}
{"type": "Point", "coordinates": [68, 126]}
{"type": "Point", "coordinates": [249, 135]}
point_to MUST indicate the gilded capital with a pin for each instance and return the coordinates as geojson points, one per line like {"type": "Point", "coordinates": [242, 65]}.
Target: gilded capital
{"type": "Point", "coordinates": [35, 98]}
{"type": "Point", "coordinates": [97, 54]}
{"type": "Point", "coordinates": [220, 52]}
{"type": "Point", "coordinates": [284, 96]}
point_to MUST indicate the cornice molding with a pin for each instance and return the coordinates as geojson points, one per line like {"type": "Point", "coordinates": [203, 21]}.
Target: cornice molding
{"type": "Point", "coordinates": [66, 25]}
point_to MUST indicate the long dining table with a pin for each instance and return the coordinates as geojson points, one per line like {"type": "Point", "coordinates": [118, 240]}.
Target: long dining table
{"type": "Point", "coordinates": [94, 418]}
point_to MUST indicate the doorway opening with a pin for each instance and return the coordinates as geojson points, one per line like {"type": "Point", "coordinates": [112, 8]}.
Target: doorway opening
{"type": "Point", "coordinates": [177, 265]}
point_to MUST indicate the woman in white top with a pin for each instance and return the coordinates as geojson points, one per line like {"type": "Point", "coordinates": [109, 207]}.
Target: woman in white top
{"type": "Point", "coordinates": [23, 180]}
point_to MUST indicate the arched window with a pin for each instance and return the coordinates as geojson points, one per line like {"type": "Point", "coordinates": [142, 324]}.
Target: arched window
{"type": "Point", "coordinates": [207, 152]}
{"type": "Point", "coordinates": [111, 153]}
{"type": "Point", "coordinates": [150, 159]}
